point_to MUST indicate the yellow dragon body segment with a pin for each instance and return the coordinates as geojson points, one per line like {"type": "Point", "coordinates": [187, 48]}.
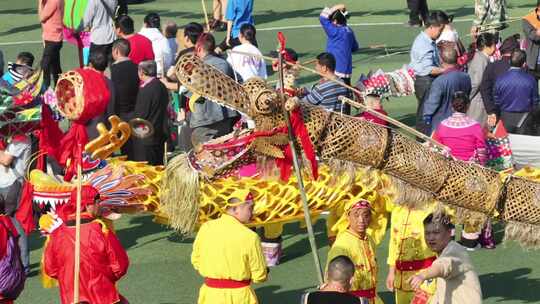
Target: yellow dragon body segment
{"type": "Point", "coordinates": [341, 138]}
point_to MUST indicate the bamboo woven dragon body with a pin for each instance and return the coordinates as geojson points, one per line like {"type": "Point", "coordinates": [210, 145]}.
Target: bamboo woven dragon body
{"type": "Point", "coordinates": [350, 140]}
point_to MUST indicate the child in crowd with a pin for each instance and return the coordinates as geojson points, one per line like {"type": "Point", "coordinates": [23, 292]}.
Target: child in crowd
{"type": "Point", "coordinates": [244, 65]}
{"type": "Point", "coordinates": [373, 102]}
{"type": "Point", "coordinates": [21, 69]}
{"type": "Point", "coordinates": [341, 39]}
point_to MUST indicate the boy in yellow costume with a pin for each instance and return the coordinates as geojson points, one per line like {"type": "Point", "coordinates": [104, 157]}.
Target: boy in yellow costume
{"type": "Point", "coordinates": [228, 255]}
{"type": "Point", "coordinates": [407, 252]}
{"type": "Point", "coordinates": [355, 243]}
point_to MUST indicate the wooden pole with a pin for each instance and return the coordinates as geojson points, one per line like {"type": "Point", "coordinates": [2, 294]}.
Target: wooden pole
{"type": "Point", "coordinates": [77, 267]}
{"type": "Point", "coordinates": [205, 12]}
{"type": "Point", "coordinates": [388, 119]}
{"type": "Point", "coordinates": [296, 164]}
{"type": "Point", "coordinates": [354, 103]}
{"type": "Point", "coordinates": [165, 159]}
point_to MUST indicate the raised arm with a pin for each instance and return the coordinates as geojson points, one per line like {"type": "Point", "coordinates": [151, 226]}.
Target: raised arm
{"type": "Point", "coordinates": [329, 28]}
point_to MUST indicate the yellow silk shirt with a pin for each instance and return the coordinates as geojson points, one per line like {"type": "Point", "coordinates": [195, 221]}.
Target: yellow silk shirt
{"type": "Point", "coordinates": [362, 254]}
{"type": "Point", "coordinates": [226, 249]}
{"type": "Point", "coordinates": [407, 244]}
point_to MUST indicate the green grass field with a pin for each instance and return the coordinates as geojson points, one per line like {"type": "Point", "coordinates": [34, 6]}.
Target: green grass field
{"type": "Point", "coordinates": [160, 270]}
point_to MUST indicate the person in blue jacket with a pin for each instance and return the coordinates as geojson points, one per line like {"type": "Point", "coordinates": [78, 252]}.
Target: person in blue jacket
{"type": "Point", "coordinates": [341, 39]}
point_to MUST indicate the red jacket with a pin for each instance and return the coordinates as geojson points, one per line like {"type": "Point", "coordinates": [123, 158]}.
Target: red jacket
{"type": "Point", "coordinates": [103, 262]}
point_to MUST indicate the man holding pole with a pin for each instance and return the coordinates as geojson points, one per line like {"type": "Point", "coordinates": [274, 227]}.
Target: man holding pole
{"type": "Point", "coordinates": [103, 260]}
{"type": "Point", "coordinates": [228, 254]}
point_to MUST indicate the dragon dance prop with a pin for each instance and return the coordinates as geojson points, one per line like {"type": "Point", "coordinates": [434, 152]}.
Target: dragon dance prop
{"type": "Point", "coordinates": [124, 187]}
{"type": "Point", "coordinates": [417, 172]}
{"type": "Point", "coordinates": [20, 111]}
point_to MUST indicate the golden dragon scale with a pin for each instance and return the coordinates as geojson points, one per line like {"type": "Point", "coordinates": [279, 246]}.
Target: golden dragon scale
{"type": "Point", "coordinates": [338, 137]}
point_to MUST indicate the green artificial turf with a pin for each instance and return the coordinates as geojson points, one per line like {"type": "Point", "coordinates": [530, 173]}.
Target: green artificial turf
{"type": "Point", "coordinates": [160, 270]}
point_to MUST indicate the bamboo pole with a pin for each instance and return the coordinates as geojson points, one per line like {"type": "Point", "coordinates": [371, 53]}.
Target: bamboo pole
{"type": "Point", "coordinates": [397, 123]}
{"type": "Point", "coordinates": [296, 164]}
{"type": "Point", "coordinates": [77, 266]}
{"type": "Point", "coordinates": [165, 158]}
{"type": "Point", "coordinates": [354, 103]}
{"type": "Point", "coordinates": [205, 12]}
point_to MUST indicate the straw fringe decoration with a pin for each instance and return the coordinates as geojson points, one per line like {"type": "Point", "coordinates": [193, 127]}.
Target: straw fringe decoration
{"type": "Point", "coordinates": [472, 221]}
{"type": "Point", "coordinates": [528, 236]}
{"type": "Point", "coordinates": [407, 194]}
{"type": "Point", "coordinates": [181, 195]}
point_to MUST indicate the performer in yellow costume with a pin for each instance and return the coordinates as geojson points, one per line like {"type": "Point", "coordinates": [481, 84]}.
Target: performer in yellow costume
{"type": "Point", "coordinates": [228, 255]}
{"type": "Point", "coordinates": [356, 244]}
{"type": "Point", "coordinates": [407, 251]}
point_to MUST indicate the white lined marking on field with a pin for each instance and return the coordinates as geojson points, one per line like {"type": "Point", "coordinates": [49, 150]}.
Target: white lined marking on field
{"type": "Point", "coordinates": [277, 28]}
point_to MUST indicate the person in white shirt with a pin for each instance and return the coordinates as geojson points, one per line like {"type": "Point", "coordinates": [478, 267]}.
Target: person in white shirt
{"type": "Point", "coordinates": [14, 158]}
{"type": "Point", "coordinates": [456, 280]}
{"type": "Point", "coordinates": [244, 65]}
{"type": "Point", "coordinates": [449, 32]}
{"type": "Point", "coordinates": [163, 54]}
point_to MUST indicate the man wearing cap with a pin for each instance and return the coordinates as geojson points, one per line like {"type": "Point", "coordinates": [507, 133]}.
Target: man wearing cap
{"type": "Point", "coordinates": [492, 71]}
{"type": "Point", "coordinates": [228, 254]}
{"type": "Point", "coordinates": [103, 259]}
{"type": "Point", "coordinates": [358, 246]}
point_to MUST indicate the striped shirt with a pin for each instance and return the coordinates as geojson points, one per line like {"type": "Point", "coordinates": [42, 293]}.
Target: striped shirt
{"type": "Point", "coordinates": [326, 94]}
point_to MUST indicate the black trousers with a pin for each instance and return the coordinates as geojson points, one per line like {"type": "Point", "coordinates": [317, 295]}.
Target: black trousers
{"type": "Point", "coordinates": [422, 84]}
{"type": "Point", "coordinates": [50, 62]}
{"type": "Point", "coordinates": [347, 107]}
{"type": "Point", "coordinates": [153, 154]}
{"type": "Point", "coordinates": [418, 10]}
{"type": "Point", "coordinates": [519, 123]}
{"type": "Point", "coordinates": [106, 48]}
